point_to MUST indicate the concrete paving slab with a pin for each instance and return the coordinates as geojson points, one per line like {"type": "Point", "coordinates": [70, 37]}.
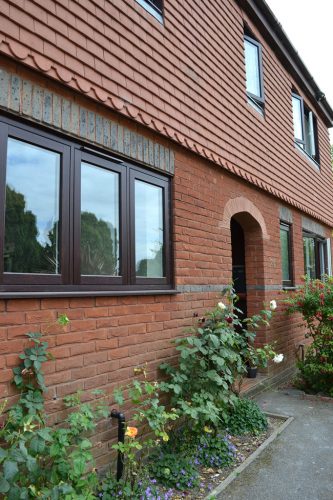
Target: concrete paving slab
{"type": "Point", "coordinates": [298, 465]}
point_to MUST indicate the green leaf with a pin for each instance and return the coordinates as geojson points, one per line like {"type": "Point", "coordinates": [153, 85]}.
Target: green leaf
{"type": "Point", "coordinates": [3, 454]}
{"type": "Point", "coordinates": [10, 469]}
{"type": "Point", "coordinates": [37, 445]}
{"type": "Point", "coordinates": [4, 485]}
{"type": "Point", "coordinates": [85, 444]}
{"type": "Point", "coordinates": [63, 320]}
{"type": "Point", "coordinates": [118, 396]}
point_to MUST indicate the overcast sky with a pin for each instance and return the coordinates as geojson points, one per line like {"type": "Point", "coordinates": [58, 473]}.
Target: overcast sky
{"type": "Point", "coordinates": [309, 26]}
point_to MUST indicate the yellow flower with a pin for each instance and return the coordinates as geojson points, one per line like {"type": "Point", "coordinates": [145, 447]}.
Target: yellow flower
{"type": "Point", "coordinates": [208, 429]}
{"type": "Point", "coordinates": [165, 437]}
{"type": "Point", "coordinates": [131, 432]}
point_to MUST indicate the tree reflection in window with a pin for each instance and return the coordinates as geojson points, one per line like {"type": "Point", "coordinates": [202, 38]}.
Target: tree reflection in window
{"type": "Point", "coordinates": [32, 209]}
{"type": "Point", "coordinates": [149, 230]}
{"type": "Point", "coordinates": [99, 221]}
{"type": "Point", "coordinates": [98, 246]}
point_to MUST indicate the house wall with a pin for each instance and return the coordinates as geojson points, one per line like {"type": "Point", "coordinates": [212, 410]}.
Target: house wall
{"type": "Point", "coordinates": [109, 336]}
{"type": "Point", "coordinates": [182, 87]}
{"type": "Point", "coordinates": [184, 79]}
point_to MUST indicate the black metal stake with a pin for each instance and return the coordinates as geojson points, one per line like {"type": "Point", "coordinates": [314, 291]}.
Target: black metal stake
{"type": "Point", "coordinates": [121, 438]}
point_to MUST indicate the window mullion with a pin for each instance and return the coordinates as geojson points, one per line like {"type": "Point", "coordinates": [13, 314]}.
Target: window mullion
{"type": "Point", "coordinates": [131, 226]}
{"type": "Point", "coordinates": [3, 160]}
{"type": "Point", "coordinates": [125, 229]}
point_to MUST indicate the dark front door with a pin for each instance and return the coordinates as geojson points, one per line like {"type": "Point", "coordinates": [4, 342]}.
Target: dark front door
{"type": "Point", "coordinates": [238, 264]}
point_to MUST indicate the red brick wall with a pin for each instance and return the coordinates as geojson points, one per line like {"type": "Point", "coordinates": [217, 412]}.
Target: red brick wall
{"type": "Point", "coordinates": [108, 336]}
{"type": "Point", "coordinates": [185, 79]}
{"type": "Point", "coordinates": [179, 81]}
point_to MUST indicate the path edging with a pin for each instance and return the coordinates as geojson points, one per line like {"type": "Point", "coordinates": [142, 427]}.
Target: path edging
{"type": "Point", "coordinates": [235, 473]}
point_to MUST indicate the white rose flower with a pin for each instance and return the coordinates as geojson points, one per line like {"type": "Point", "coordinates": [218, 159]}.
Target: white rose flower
{"type": "Point", "coordinates": [272, 305]}
{"type": "Point", "coordinates": [222, 306]}
{"type": "Point", "coordinates": [278, 358]}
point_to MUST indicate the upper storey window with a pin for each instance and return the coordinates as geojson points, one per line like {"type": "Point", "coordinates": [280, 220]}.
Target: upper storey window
{"type": "Point", "coordinates": [254, 73]}
{"type": "Point", "coordinates": [305, 128]}
{"type": "Point", "coordinates": [154, 7]}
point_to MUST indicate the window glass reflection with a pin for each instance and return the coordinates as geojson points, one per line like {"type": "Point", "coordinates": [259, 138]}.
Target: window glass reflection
{"type": "Point", "coordinates": [309, 257]}
{"type": "Point", "coordinates": [32, 231]}
{"type": "Point", "coordinates": [297, 117]}
{"type": "Point", "coordinates": [252, 69]}
{"type": "Point", "coordinates": [99, 221]}
{"type": "Point", "coordinates": [149, 230]}
{"type": "Point", "coordinates": [284, 240]}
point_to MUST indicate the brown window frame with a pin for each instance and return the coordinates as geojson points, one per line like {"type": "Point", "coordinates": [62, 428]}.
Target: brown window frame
{"type": "Point", "coordinates": [258, 102]}
{"type": "Point", "coordinates": [286, 226]}
{"type": "Point", "coordinates": [70, 282]}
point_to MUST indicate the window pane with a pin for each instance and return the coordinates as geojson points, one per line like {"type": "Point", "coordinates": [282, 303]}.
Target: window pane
{"type": "Point", "coordinates": [149, 230]}
{"type": "Point", "coordinates": [252, 68]}
{"type": "Point", "coordinates": [309, 133]}
{"type": "Point", "coordinates": [32, 230]}
{"type": "Point", "coordinates": [309, 257]}
{"type": "Point", "coordinates": [285, 258]}
{"type": "Point", "coordinates": [99, 221]}
{"type": "Point", "coordinates": [297, 116]}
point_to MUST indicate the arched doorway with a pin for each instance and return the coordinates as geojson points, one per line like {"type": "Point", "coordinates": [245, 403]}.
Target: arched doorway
{"type": "Point", "coordinates": [238, 263]}
{"type": "Point", "coordinates": [248, 269]}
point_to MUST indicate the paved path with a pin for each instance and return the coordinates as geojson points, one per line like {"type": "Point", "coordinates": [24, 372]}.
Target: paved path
{"type": "Point", "coordinates": [298, 465]}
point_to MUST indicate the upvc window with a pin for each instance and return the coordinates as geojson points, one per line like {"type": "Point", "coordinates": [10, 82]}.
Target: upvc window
{"type": "Point", "coordinates": [254, 73]}
{"type": "Point", "coordinates": [75, 220]}
{"type": "Point", "coordinates": [317, 256]}
{"type": "Point", "coordinates": [286, 254]}
{"type": "Point", "coordinates": [154, 7]}
{"type": "Point", "coordinates": [305, 128]}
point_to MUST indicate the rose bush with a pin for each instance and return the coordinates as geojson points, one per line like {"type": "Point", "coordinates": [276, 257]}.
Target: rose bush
{"type": "Point", "coordinates": [314, 300]}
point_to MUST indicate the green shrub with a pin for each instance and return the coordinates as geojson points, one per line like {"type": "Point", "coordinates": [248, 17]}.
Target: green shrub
{"type": "Point", "coordinates": [174, 470]}
{"type": "Point", "coordinates": [314, 300]}
{"type": "Point", "coordinates": [144, 489]}
{"type": "Point", "coordinates": [246, 418]}
{"type": "Point", "coordinates": [214, 450]}
{"type": "Point", "coordinates": [38, 461]}
{"type": "Point", "coordinates": [212, 361]}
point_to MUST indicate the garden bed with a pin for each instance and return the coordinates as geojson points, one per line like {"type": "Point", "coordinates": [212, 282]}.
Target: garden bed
{"type": "Point", "coordinates": [213, 481]}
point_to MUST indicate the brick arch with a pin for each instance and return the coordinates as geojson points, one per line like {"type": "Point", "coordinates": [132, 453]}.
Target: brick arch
{"type": "Point", "coordinates": [243, 205]}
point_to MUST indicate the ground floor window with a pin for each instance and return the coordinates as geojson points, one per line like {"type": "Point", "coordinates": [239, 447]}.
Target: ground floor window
{"type": "Point", "coordinates": [317, 256]}
{"type": "Point", "coordinates": [78, 219]}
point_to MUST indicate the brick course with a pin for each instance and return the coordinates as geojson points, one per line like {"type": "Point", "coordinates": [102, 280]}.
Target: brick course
{"type": "Point", "coordinates": [151, 73]}
{"type": "Point", "coordinates": [116, 78]}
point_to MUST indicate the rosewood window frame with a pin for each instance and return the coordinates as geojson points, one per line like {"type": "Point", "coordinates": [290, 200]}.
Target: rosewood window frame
{"type": "Point", "coordinates": [70, 282]}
